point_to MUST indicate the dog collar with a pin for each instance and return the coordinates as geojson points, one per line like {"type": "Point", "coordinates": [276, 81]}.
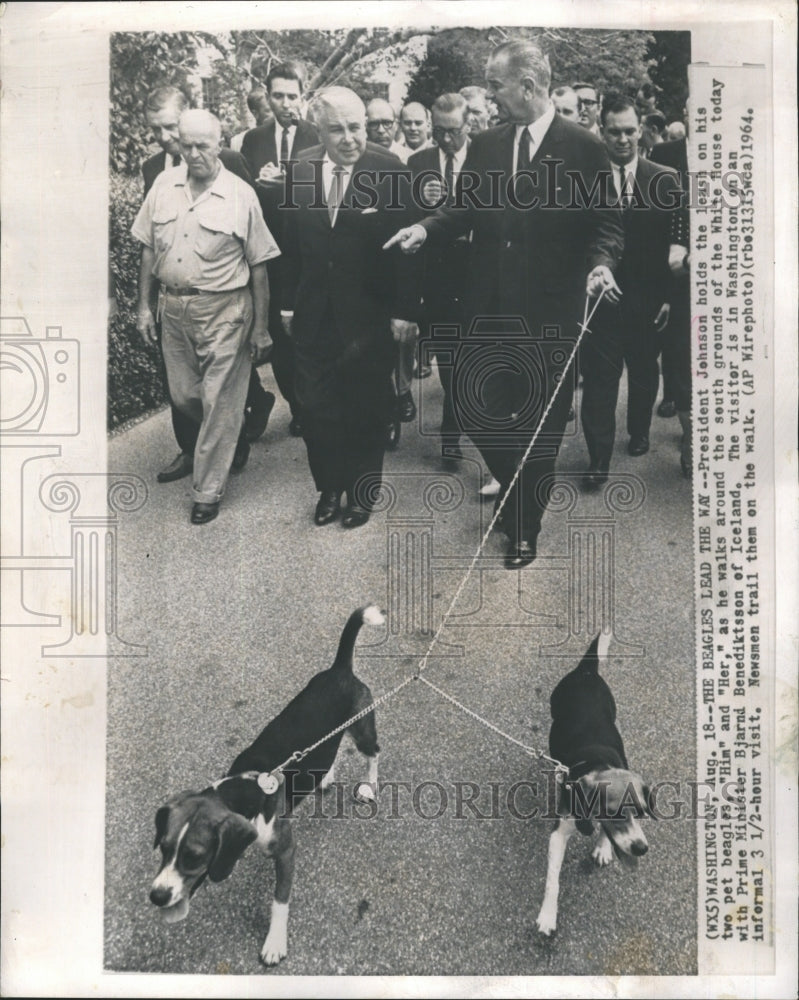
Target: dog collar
{"type": "Point", "coordinates": [267, 781]}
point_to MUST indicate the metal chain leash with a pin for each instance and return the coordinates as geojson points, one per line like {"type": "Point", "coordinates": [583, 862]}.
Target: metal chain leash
{"type": "Point", "coordinates": [298, 755]}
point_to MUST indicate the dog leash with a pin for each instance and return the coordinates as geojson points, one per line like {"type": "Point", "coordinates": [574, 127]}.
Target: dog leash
{"type": "Point", "coordinates": [560, 768]}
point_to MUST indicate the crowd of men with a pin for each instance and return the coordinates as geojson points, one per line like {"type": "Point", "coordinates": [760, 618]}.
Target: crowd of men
{"type": "Point", "coordinates": [356, 248]}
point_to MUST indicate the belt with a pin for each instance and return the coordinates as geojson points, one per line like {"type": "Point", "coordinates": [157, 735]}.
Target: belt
{"type": "Point", "coordinates": [181, 291]}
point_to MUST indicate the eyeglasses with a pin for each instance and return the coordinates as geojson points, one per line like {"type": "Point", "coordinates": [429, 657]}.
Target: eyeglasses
{"type": "Point", "coordinates": [383, 124]}
{"type": "Point", "coordinates": [586, 102]}
{"type": "Point", "coordinates": [451, 133]}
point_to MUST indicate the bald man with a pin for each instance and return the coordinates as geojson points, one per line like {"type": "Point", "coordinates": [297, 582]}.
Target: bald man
{"type": "Point", "coordinates": [345, 302]}
{"type": "Point", "coordinates": [415, 125]}
{"type": "Point", "coordinates": [204, 239]}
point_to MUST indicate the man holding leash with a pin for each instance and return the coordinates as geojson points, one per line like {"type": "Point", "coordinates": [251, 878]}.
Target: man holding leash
{"type": "Point", "coordinates": [541, 240]}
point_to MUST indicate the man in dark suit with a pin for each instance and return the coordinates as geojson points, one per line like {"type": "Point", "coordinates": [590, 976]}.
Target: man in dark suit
{"type": "Point", "coordinates": [443, 269]}
{"type": "Point", "coordinates": [266, 148]}
{"type": "Point", "coordinates": [628, 333]}
{"type": "Point", "coordinates": [343, 303]}
{"type": "Point", "coordinates": [163, 109]}
{"type": "Point", "coordinates": [542, 238]}
{"type": "Point", "coordinates": [676, 353]}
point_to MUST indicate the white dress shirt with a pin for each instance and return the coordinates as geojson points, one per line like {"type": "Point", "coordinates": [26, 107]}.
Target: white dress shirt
{"type": "Point", "coordinates": [537, 129]}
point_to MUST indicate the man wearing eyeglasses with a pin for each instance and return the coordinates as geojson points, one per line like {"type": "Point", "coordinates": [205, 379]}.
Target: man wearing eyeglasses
{"type": "Point", "coordinates": [443, 268]}
{"type": "Point", "coordinates": [381, 128]}
{"type": "Point", "coordinates": [588, 106]}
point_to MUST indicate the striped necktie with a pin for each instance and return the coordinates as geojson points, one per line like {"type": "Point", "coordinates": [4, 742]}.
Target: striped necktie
{"type": "Point", "coordinates": [449, 177]}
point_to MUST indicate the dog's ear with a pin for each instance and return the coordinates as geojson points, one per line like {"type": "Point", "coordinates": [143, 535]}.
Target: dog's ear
{"type": "Point", "coordinates": [649, 802]}
{"type": "Point", "coordinates": [585, 826]}
{"type": "Point", "coordinates": [161, 820]}
{"type": "Point", "coordinates": [162, 816]}
{"type": "Point", "coordinates": [235, 836]}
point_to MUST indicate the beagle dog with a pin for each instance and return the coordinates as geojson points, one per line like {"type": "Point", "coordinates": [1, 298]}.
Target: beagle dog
{"type": "Point", "coordinates": [203, 834]}
{"type": "Point", "coordinates": [599, 787]}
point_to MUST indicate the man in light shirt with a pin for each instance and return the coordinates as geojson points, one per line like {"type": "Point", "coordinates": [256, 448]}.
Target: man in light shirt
{"type": "Point", "coordinates": [205, 241]}
{"type": "Point", "coordinates": [415, 125]}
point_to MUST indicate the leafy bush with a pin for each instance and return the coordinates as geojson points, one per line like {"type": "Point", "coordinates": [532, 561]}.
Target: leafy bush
{"type": "Point", "coordinates": [135, 382]}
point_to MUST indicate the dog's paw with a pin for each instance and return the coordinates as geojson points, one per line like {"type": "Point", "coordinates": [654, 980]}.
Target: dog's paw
{"type": "Point", "coordinates": [603, 852]}
{"type": "Point", "coordinates": [275, 948]}
{"type": "Point", "coordinates": [546, 922]}
{"type": "Point", "coordinates": [365, 792]}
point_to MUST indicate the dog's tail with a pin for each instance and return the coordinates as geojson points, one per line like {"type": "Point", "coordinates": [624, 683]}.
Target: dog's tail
{"type": "Point", "coordinates": [370, 615]}
{"type": "Point", "coordinates": [596, 653]}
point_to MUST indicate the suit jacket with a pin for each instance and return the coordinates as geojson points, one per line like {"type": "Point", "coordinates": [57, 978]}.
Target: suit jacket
{"type": "Point", "coordinates": [533, 261]}
{"type": "Point", "coordinates": [341, 272]}
{"type": "Point", "coordinates": [442, 269]}
{"type": "Point", "coordinates": [234, 162]}
{"type": "Point", "coordinates": [643, 274]}
{"type": "Point", "coordinates": [259, 147]}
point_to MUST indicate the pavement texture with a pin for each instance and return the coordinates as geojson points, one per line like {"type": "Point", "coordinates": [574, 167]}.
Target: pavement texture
{"type": "Point", "coordinates": [237, 615]}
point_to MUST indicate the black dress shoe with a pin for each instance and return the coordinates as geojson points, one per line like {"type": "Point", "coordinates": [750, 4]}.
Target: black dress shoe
{"type": "Point", "coordinates": [667, 408]}
{"type": "Point", "coordinates": [241, 454]}
{"type": "Point", "coordinates": [638, 445]}
{"type": "Point", "coordinates": [594, 477]}
{"type": "Point", "coordinates": [257, 417]}
{"type": "Point", "coordinates": [181, 467]}
{"type": "Point", "coordinates": [354, 517]}
{"type": "Point", "coordinates": [202, 513]}
{"type": "Point", "coordinates": [328, 507]}
{"type": "Point", "coordinates": [451, 449]}
{"type": "Point", "coordinates": [393, 431]}
{"type": "Point", "coordinates": [295, 427]}
{"type": "Point", "coordinates": [406, 408]}
{"type": "Point", "coordinates": [519, 554]}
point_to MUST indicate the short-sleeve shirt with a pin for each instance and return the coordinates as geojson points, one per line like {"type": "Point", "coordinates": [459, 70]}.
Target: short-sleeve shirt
{"type": "Point", "coordinates": [210, 243]}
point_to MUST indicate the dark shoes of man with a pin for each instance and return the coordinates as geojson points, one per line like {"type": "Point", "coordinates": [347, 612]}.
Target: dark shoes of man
{"type": "Point", "coordinates": [450, 451]}
{"type": "Point", "coordinates": [520, 554]}
{"type": "Point", "coordinates": [179, 468]}
{"type": "Point", "coordinates": [595, 476]}
{"type": "Point", "coordinates": [257, 417]}
{"type": "Point", "coordinates": [667, 408]}
{"type": "Point", "coordinates": [295, 427]}
{"type": "Point", "coordinates": [328, 507]}
{"type": "Point", "coordinates": [354, 517]}
{"type": "Point", "coordinates": [202, 513]}
{"type": "Point", "coordinates": [639, 445]}
{"type": "Point", "coordinates": [241, 454]}
{"type": "Point", "coordinates": [393, 431]}
{"type": "Point", "coordinates": [406, 408]}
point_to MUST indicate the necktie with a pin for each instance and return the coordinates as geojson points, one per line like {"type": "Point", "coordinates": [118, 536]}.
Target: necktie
{"type": "Point", "coordinates": [449, 178]}
{"type": "Point", "coordinates": [335, 194]}
{"type": "Point", "coordinates": [284, 148]}
{"type": "Point", "coordinates": [176, 161]}
{"type": "Point", "coordinates": [525, 157]}
{"type": "Point", "coordinates": [624, 188]}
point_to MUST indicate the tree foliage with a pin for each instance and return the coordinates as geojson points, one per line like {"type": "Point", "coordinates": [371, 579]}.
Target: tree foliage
{"type": "Point", "coordinates": [669, 54]}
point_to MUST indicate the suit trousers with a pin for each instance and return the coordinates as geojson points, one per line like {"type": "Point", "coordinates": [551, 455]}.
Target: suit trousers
{"type": "Point", "coordinates": [205, 341]}
{"type": "Point", "coordinates": [618, 340]}
{"type": "Point", "coordinates": [512, 385]}
{"type": "Point", "coordinates": [282, 346]}
{"type": "Point", "coordinates": [344, 408]}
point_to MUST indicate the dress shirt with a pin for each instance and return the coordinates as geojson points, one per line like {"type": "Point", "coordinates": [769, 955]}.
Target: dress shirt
{"type": "Point", "coordinates": [537, 129]}
{"type": "Point", "coordinates": [629, 173]}
{"type": "Point", "coordinates": [327, 179]}
{"type": "Point", "coordinates": [457, 161]}
{"type": "Point", "coordinates": [208, 243]}
{"type": "Point", "coordinates": [291, 131]}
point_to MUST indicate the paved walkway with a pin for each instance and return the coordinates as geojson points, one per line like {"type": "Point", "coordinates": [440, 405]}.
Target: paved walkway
{"type": "Point", "coordinates": [238, 614]}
